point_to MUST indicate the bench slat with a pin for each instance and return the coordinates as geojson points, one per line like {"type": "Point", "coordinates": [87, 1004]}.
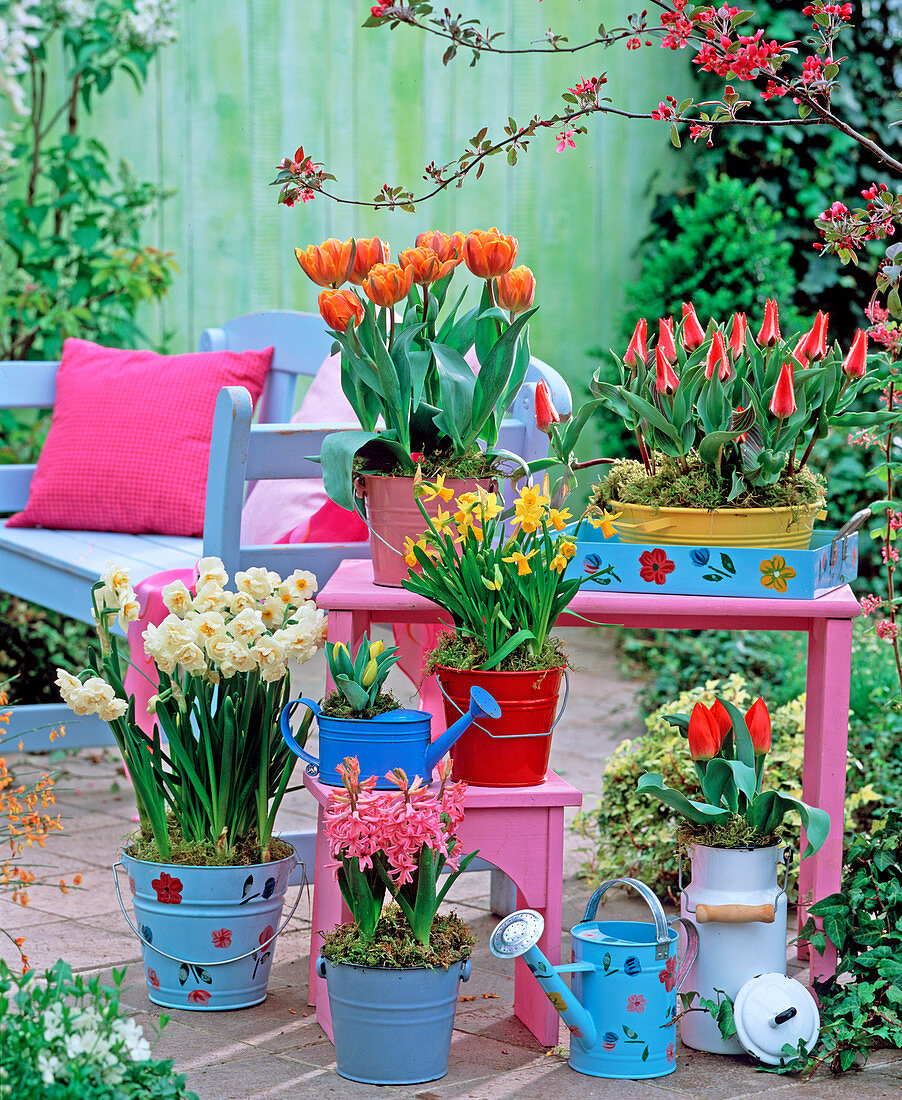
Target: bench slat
{"type": "Point", "coordinates": [28, 385]}
{"type": "Point", "coordinates": [14, 483]}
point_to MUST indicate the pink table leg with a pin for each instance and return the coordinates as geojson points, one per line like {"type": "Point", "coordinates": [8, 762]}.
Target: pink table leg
{"type": "Point", "coordinates": [329, 910]}
{"type": "Point", "coordinates": [824, 769]}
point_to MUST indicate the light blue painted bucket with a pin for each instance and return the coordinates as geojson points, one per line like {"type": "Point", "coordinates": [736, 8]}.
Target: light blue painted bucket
{"type": "Point", "coordinates": [392, 1027]}
{"type": "Point", "coordinates": [207, 933]}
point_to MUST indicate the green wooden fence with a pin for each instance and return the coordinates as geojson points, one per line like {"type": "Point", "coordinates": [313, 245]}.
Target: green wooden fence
{"type": "Point", "coordinates": [250, 80]}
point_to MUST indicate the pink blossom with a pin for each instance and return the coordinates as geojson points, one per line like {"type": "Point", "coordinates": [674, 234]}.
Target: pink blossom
{"type": "Point", "coordinates": [565, 140]}
{"type": "Point", "coordinates": [869, 604]}
{"type": "Point", "coordinates": [887, 630]}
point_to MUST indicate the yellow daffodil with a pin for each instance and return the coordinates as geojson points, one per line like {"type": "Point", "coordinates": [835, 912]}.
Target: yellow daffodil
{"type": "Point", "coordinates": [409, 546]}
{"type": "Point", "coordinates": [437, 488]}
{"type": "Point", "coordinates": [521, 561]}
{"type": "Point", "coordinates": [531, 496]}
{"type": "Point", "coordinates": [558, 563]}
{"type": "Point", "coordinates": [528, 519]}
{"type": "Point", "coordinates": [442, 520]}
{"type": "Point", "coordinates": [567, 548]}
{"type": "Point", "coordinates": [605, 521]}
{"type": "Point", "coordinates": [489, 504]}
{"type": "Point", "coordinates": [559, 517]}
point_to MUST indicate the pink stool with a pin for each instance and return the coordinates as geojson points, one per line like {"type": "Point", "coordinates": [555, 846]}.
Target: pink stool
{"type": "Point", "coordinates": [519, 830]}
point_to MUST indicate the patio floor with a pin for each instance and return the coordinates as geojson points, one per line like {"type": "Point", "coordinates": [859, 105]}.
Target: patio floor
{"type": "Point", "coordinates": [278, 1050]}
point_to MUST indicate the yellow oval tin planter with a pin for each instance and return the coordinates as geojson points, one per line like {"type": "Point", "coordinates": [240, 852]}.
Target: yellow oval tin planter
{"type": "Point", "coordinates": [780, 528]}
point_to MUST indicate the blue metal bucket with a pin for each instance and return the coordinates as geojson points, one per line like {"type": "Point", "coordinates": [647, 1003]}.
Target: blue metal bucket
{"type": "Point", "coordinates": [207, 933]}
{"type": "Point", "coordinates": [392, 1027]}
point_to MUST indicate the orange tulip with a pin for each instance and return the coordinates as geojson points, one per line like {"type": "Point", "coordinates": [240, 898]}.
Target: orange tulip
{"type": "Point", "coordinates": [737, 334]}
{"type": "Point", "coordinates": [666, 379]}
{"type": "Point", "coordinates": [546, 413]}
{"type": "Point", "coordinates": [488, 253]}
{"type": "Point", "coordinates": [758, 721]}
{"type": "Point", "coordinates": [815, 345]}
{"type": "Point", "coordinates": [339, 308]}
{"type": "Point", "coordinates": [328, 264]}
{"type": "Point", "coordinates": [693, 335]}
{"type": "Point", "coordinates": [370, 251]}
{"type": "Point", "coordinates": [427, 267]}
{"type": "Point", "coordinates": [721, 717]}
{"type": "Point", "coordinates": [770, 330]}
{"type": "Point", "coordinates": [445, 247]}
{"type": "Point", "coordinates": [704, 734]}
{"type": "Point", "coordinates": [517, 289]}
{"type": "Point", "coordinates": [855, 363]}
{"type": "Point", "coordinates": [665, 338]}
{"type": "Point", "coordinates": [387, 284]}
{"type": "Point", "coordinates": [638, 344]}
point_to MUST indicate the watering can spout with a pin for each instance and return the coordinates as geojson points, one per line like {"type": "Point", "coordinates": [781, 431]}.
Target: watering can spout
{"type": "Point", "coordinates": [518, 934]}
{"type": "Point", "coordinates": [482, 705]}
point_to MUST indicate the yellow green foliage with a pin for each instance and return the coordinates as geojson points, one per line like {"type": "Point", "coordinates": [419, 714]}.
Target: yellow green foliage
{"type": "Point", "coordinates": [633, 834]}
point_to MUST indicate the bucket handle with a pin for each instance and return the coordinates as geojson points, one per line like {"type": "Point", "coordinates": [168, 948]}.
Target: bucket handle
{"type": "Point", "coordinates": [287, 736]}
{"type": "Point", "coordinates": [214, 962]}
{"type": "Point", "coordinates": [691, 952]}
{"type": "Point", "coordinates": [662, 932]}
{"type": "Point", "coordinates": [513, 736]}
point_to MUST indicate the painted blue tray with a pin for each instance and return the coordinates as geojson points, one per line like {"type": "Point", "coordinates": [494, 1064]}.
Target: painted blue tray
{"type": "Point", "coordinates": [831, 562]}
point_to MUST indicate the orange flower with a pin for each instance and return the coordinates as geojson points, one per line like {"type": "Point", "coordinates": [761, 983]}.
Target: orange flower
{"type": "Point", "coordinates": [704, 733]}
{"type": "Point", "coordinates": [488, 253]}
{"type": "Point", "coordinates": [427, 267]}
{"type": "Point", "coordinates": [328, 264]}
{"type": "Point", "coordinates": [387, 284]}
{"type": "Point", "coordinates": [758, 721]}
{"type": "Point", "coordinates": [517, 289]}
{"type": "Point", "coordinates": [340, 308]}
{"type": "Point", "coordinates": [370, 251]}
{"type": "Point", "coordinates": [445, 247]}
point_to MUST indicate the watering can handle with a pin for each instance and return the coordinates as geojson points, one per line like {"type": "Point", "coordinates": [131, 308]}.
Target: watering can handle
{"type": "Point", "coordinates": [662, 933]}
{"type": "Point", "coordinates": [288, 737]}
{"type": "Point", "coordinates": [691, 952]}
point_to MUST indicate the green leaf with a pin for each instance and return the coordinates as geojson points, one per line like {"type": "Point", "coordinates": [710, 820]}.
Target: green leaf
{"type": "Point", "coordinates": [494, 376]}
{"type": "Point", "coordinates": [699, 812]}
{"type": "Point", "coordinates": [338, 453]}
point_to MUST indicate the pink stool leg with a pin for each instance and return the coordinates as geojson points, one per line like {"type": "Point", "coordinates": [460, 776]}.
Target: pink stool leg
{"type": "Point", "coordinates": [824, 769]}
{"type": "Point", "coordinates": [328, 911]}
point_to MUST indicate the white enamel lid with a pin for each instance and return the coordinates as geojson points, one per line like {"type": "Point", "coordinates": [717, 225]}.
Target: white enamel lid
{"type": "Point", "coordinates": [771, 1011]}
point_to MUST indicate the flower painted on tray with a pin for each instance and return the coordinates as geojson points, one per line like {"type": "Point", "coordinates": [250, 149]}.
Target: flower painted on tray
{"type": "Point", "coordinates": [267, 934]}
{"type": "Point", "coordinates": [775, 573]}
{"type": "Point", "coordinates": [169, 889]}
{"type": "Point", "coordinates": [198, 997]}
{"type": "Point", "coordinates": [153, 979]}
{"type": "Point", "coordinates": [269, 887]}
{"type": "Point", "coordinates": [635, 1003]}
{"type": "Point", "coordinates": [700, 555]}
{"type": "Point", "coordinates": [671, 1052]}
{"type": "Point", "coordinates": [668, 974]}
{"type": "Point", "coordinates": [655, 565]}
{"type": "Point", "coordinates": [222, 937]}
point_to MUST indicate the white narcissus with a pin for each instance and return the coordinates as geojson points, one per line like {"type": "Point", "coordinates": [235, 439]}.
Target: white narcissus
{"type": "Point", "coordinates": [256, 582]}
{"type": "Point", "coordinates": [177, 598]}
{"type": "Point", "coordinates": [247, 625]}
{"type": "Point", "coordinates": [191, 658]}
{"type": "Point", "coordinates": [211, 571]}
{"type": "Point", "coordinates": [299, 587]}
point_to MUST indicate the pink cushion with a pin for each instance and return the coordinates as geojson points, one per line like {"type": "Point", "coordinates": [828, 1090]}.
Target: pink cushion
{"type": "Point", "coordinates": [129, 443]}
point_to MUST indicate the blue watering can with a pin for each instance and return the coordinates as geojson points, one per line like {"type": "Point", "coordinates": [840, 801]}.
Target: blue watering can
{"type": "Point", "coordinates": [621, 1010]}
{"type": "Point", "coordinates": [396, 739]}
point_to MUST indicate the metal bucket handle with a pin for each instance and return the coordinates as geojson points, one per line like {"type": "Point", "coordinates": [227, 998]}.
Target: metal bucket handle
{"type": "Point", "coordinates": [662, 931]}
{"type": "Point", "coordinates": [312, 764]}
{"type": "Point", "coordinates": [513, 736]}
{"type": "Point", "coordinates": [691, 952]}
{"type": "Point", "coordinates": [215, 962]}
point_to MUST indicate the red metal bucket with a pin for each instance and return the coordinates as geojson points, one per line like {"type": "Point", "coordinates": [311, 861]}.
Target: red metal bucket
{"type": "Point", "coordinates": [392, 514]}
{"type": "Point", "coordinates": [490, 753]}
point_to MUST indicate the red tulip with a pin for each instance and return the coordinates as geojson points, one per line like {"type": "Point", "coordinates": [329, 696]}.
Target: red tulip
{"type": "Point", "coordinates": [704, 734]}
{"type": "Point", "coordinates": [722, 718]}
{"type": "Point", "coordinates": [737, 335]}
{"type": "Point", "coordinates": [770, 330]}
{"type": "Point", "coordinates": [638, 345]}
{"type": "Point", "coordinates": [693, 335]}
{"type": "Point", "coordinates": [666, 379]}
{"type": "Point", "coordinates": [855, 363]}
{"type": "Point", "coordinates": [717, 353]}
{"type": "Point", "coordinates": [798, 352]}
{"type": "Point", "coordinates": [783, 402]}
{"type": "Point", "coordinates": [546, 413]}
{"type": "Point", "coordinates": [815, 345]}
{"type": "Point", "coordinates": [665, 338]}
{"type": "Point", "coordinates": [758, 721]}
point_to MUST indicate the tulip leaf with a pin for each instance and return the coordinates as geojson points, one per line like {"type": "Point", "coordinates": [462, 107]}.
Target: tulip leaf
{"type": "Point", "coordinates": [720, 774]}
{"type": "Point", "coordinates": [652, 415]}
{"type": "Point", "coordinates": [745, 750]}
{"type": "Point", "coordinates": [495, 376]}
{"type": "Point", "coordinates": [457, 383]}
{"type": "Point", "coordinates": [699, 812]}
{"type": "Point", "coordinates": [768, 810]}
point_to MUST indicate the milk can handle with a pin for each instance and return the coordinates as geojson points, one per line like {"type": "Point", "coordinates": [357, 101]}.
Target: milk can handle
{"type": "Point", "coordinates": [662, 933]}
{"type": "Point", "coordinates": [691, 952]}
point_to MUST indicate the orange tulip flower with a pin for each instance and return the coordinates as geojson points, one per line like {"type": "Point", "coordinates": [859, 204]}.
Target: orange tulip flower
{"type": "Point", "coordinates": [387, 284]}
{"type": "Point", "coordinates": [488, 253]}
{"type": "Point", "coordinates": [758, 721]}
{"type": "Point", "coordinates": [517, 289]}
{"type": "Point", "coordinates": [693, 335]}
{"type": "Point", "coordinates": [704, 733]}
{"type": "Point", "coordinates": [427, 267]}
{"type": "Point", "coordinates": [370, 251]}
{"type": "Point", "coordinates": [340, 308]}
{"type": "Point", "coordinates": [327, 264]}
{"type": "Point", "coordinates": [445, 247]}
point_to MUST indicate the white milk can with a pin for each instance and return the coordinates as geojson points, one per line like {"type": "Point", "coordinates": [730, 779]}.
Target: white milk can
{"type": "Point", "coordinates": [739, 908]}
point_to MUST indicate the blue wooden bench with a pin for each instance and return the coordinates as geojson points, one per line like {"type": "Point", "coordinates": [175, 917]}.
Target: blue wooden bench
{"type": "Point", "coordinates": [57, 568]}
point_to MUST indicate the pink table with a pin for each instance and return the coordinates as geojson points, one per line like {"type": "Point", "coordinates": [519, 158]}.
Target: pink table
{"type": "Point", "coordinates": [354, 603]}
{"type": "Point", "coordinates": [519, 830]}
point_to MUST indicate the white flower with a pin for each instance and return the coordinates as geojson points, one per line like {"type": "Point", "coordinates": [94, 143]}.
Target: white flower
{"type": "Point", "coordinates": [255, 582]}
{"type": "Point", "coordinates": [211, 571]}
{"type": "Point", "coordinates": [298, 641]}
{"type": "Point", "coordinates": [48, 1067]}
{"type": "Point", "coordinates": [191, 658]}
{"type": "Point", "coordinates": [101, 698]}
{"type": "Point", "coordinates": [209, 624]}
{"type": "Point", "coordinates": [177, 598]}
{"type": "Point", "coordinates": [270, 657]}
{"type": "Point", "coordinates": [116, 579]}
{"type": "Point", "coordinates": [311, 619]}
{"type": "Point", "coordinates": [217, 647]}
{"type": "Point", "coordinates": [18, 24]}
{"type": "Point", "coordinates": [300, 586]}
{"type": "Point", "coordinates": [133, 1036]}
{"type": "Point", "coordinates": [149, 25]}
{"type": "Point", "coordinates": [75, 13]}
{"type": "Point", "coordinates": [238, 601]}
{"type": "Point", "coordinates": [210, 597]}
{"type": "Point", "coordinates": [129, 609]}
{"type": "Point", "coordinates": [239, 658]}
{"type": "Point", "coordinates": [247, 625]}
{"type": "Point", "coordinates": [272, 612]}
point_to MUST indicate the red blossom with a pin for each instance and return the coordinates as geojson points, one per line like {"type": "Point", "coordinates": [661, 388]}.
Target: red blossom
{"type": "Point", "coordinates": [198, 997]}
{"type": "Point", "coordinates": [222, 937]}
{"type": "Point", "coordinates": [655, 566]}
{"type": "Point", "coordinates": [169, 889]}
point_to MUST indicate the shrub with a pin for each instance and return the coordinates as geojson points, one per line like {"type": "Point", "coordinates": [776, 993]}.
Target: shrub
{"type": "Point", "coordinates": [632, 834]}
{"type": "Point", "coordinates": [33, 642]}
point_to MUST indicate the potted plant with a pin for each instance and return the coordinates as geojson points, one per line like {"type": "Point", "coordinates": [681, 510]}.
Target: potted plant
{"type": "Point", "coordinates": [410, 371]}
{"type": "Point", "coordinates": [393, 971]}
{"type": "Point", "coordinates": [206, 874]}
{"type": "Point", "coordinates": [504, 592]}
{"type": "Point", "coordinates": [734, 835]}
{"type": "Point", "coordinates": [725, 424]}
{"type": "Point", "coordinates": [359, 719]}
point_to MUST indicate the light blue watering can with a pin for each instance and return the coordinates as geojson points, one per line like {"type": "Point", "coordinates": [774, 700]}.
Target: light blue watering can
{"type": "Point", "coordinates": [396, 739]}
{"type": "Point", "coordinates": [621, 1010]}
